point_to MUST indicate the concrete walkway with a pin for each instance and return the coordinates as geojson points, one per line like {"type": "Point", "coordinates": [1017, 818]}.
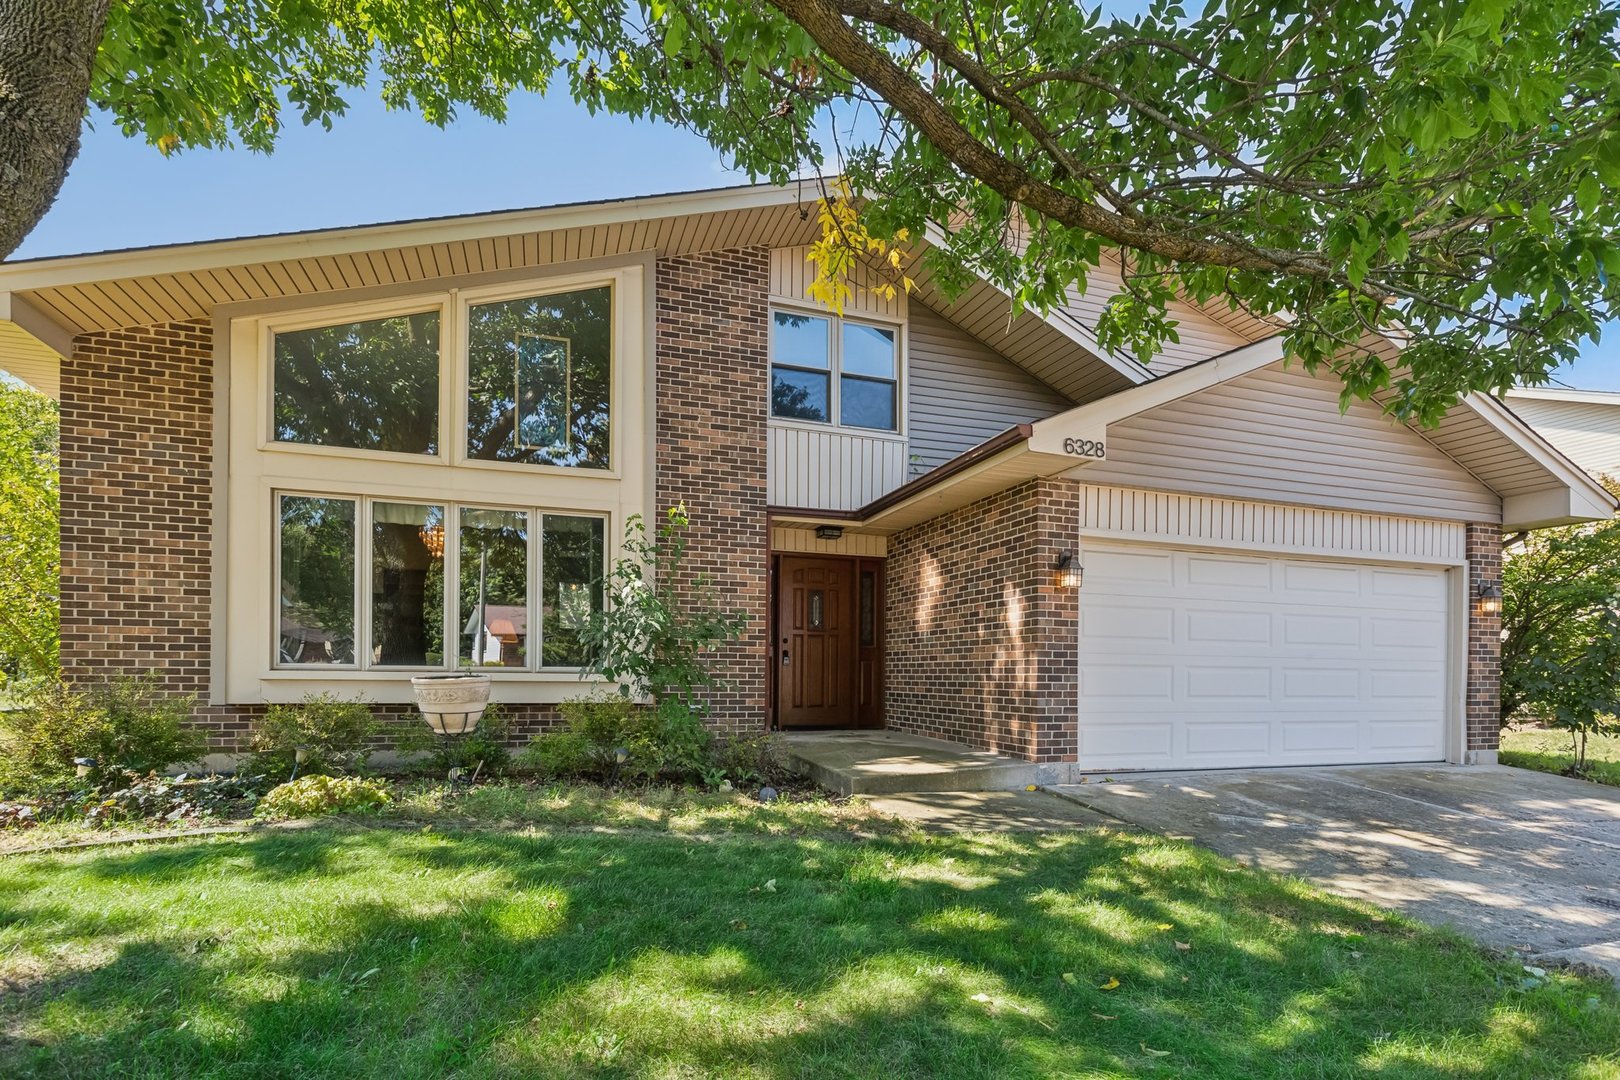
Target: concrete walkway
{"type": "Point", "coordinates": [889, 762]}
{"type": "Point", "coordinates": [1513, 858]}
{"type": "Point", "coordinates": [992, 811]}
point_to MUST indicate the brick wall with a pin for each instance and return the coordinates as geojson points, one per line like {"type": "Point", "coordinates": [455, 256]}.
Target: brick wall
{"type": "Point", "coordinates": [1484, 700]}
{"type": "Point", "coordinates": [713, 382]}
{"type": "Point", "coordinates": [137, 427]}
{"type": "Point", "coordinates": [982, 646]}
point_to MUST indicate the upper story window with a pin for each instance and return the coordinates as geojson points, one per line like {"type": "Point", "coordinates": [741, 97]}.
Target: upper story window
{"type": "Point", "coordinates": [539, 379]}
{"type": "Point", "coordinates": [371, 385]}
{"type": "Point", "coordinates": [536, 372]}
{"type": "Point", "coordinates": [834, 371]}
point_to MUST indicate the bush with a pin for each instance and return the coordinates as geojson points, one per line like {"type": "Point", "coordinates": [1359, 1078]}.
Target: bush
{"type": "Point", "coordinates": [312, 796]}
{"type": "Point", "coordinates": [667, 741]}
{"type": "Point", "coordinates": [332, 733]}
{"type": "Point", "coordinates": [745, 761]}
{"type": "Point", "coordinates": [486, 744]}
{"type": "Point", "coordinates": [126, 725]}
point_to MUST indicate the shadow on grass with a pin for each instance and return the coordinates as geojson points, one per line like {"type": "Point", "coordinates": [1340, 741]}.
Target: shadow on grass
{"type": "Point", "coordinates": [408, 954]}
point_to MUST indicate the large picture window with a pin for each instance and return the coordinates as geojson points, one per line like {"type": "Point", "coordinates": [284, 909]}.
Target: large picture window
{"type": "Point", "coordinates": [405, 593]}
{"type": "Point", "coordinates": [371, 385]}
{"type": "Point", "coordinates": [539, 382]}
{"type": "Point", "coordinates": [834, 371]}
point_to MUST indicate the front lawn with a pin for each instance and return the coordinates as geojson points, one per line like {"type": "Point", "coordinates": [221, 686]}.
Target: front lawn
{"type": "Point", "coordinates": [1551, 751]}
{"type": "Point", "coordinates": [342, 950]}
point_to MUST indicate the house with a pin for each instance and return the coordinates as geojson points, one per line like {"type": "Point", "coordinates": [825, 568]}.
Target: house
{"type": "Point", "coordinates": [1584, 424]}
{"type": "Point", "coordinates": [301, 462]}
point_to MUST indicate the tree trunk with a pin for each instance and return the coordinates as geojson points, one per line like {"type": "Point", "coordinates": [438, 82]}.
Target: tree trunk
{"type": "Point", "coordinates": [47, 50]}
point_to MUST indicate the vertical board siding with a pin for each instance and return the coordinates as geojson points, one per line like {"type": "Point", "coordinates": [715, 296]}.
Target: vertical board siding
{"type": "Point", "coordinates": [962, 392]}
{"type": "Point", "coordinates": [831, 470]}
{"type": "Point", "coordinates": [791, 275]}
{"type": "Point", "coordinates": [1130, 513]}
{"type": "Point", "coordinates": [786, 538]}
{"type": "Point", "coordinates": [1278, 435]}
{"type": "Point", "coordinates": [1586, 432]}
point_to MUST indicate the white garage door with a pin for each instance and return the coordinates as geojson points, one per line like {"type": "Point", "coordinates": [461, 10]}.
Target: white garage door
{"type": "Point", "coordinates": [1193, 659]}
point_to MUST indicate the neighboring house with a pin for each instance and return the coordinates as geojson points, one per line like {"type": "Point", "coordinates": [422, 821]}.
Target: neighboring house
{"type": "Point", "coordinates": [1584, 424]}
{"type": "Point", "coordinates": [300, 463]}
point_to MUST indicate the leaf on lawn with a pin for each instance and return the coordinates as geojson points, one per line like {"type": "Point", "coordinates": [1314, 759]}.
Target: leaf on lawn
{"type": "Point", "coordinates": [770, 886]}
{"type": "Point", "coordinates": [1103, 1016]}
{"type": "Point", "coordinates": [982, 998]}
{"type": "Point", "coordinates": [1150, 1052]}
{"type": "Point", "coordinates": [1167, 926]}
{"type": "Point", "coordinates": [1111, 984]}
{"type": "Point", "coordinates": [1182, 946]}
{"type": "Point", "coordinates": [739, 924]}
{"type": "Point", "coordinates": [1355, 954]}
{"type": "Point", "coordinates": [1069, 977]}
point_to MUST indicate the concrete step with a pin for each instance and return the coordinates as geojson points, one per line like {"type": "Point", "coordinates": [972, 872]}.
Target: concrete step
{"type": "Point", "coordinates": [892, 763]}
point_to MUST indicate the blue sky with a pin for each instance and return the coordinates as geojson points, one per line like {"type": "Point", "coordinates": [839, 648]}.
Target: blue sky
{"type": "Point", "coordinates": [381, 166]}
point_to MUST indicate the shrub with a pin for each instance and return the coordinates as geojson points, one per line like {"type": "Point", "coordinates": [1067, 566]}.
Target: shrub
{"type": "Point", "coordinates": [312, 796]}
{"type": "Point", "coordinates": [745, 761]}
{"type": "Point", "coordinates": [666, 741]}
{"type": "Point", "coordinates": [332, 733]}
{"type": "Point", "coordinates": [126, 725]}
{"type": "Point", "coordinates": [486, 744]}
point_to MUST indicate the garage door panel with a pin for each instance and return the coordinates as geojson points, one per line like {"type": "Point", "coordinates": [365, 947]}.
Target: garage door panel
{"type": "Point", "coordinates": [1215, 685]}
{"type": "Point", "coordinates": [1228, 627]}
{"type": "Point", "coordinates": [1123, 622]}
{"type": "Point", "coordinates": [1203, 660]}
{"type": "Point", "coordinates": [1224, 739]}
{"type": "Point", "coordinates": [1229, 572]}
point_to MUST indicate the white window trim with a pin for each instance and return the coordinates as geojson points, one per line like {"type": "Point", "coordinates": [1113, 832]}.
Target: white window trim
{"type": "Point", "coordinates": [256, 468]}
{"type": "Point", "coordinates": [835, 370]}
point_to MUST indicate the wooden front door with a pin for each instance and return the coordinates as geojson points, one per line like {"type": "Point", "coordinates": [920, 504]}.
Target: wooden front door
{"type": "Point", "coordinates": [816, 642]}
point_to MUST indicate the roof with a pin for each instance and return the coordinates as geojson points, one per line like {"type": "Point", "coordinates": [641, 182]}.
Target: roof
{"type": "Point", "coordinates": [51, 300]}
{"type": "Point", "coordinates": [1553, 393]}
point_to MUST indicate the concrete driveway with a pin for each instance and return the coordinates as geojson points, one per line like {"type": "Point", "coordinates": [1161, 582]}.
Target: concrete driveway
{"type": "Point", "coordinates": [1513, 858]}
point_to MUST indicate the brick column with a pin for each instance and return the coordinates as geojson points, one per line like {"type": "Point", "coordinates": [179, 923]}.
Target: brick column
{"type": "Point", "coordinates": [713, 382]}
{"type": "Point", "coordinates": [1484, 695]}
{"type": "Point", "coordinates": [982, 645]}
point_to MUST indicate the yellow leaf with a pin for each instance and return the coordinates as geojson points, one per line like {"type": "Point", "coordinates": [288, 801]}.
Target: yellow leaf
{"type": "Point", "coordinates": [1031, 787]}
{"type": "Point", "coordinates": [1167, 926]}
{"type": "Point", "coordinates": [1148, 1050]}
{"type": "Point", "coordinates": [168, 144]}
{"type": "Point", "coordinates": [1068, 977]}
{"type": "Point", "coordinates": [1111, 984]}
{"type": "Point", "coordinates": [1100, 1016]}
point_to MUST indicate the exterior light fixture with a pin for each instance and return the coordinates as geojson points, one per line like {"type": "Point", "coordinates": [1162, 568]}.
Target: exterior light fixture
{"type": "Point", "coordinates": [1066, 573]}
{"type": "Point", "coordinates": [829, 532]}
{"type": "Point", "coordinates": [83, 766]}
{"type": "Point", "coordinates": [1490, 597]}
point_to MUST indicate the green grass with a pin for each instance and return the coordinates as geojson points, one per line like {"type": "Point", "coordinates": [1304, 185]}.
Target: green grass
{"type": "Point", "coordinates": [346, 951]}
{"type": "Point", "coordinates": [517, 805]}
{"type": "Point", "coordinates": [1551, 751]}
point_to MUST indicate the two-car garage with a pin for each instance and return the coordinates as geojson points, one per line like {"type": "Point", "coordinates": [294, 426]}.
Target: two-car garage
{"type": "Point", "coordinates": [1195, 658]}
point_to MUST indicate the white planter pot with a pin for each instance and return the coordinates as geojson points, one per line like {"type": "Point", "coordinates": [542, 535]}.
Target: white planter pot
{"type": "Point", "coordinates": [452, 703]}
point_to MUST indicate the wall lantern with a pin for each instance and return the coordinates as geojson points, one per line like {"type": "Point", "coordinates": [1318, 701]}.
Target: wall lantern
{"type": "Point", "coordinates": [1490, 597]}
{"type": "Point", "coordinates": [829, 532]}
{"type": "Point", "coordinates": [1066, 573]}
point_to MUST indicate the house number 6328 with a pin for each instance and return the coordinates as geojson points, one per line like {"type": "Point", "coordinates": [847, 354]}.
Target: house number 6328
{"type": "Point", "coordinates": [1083, 447]}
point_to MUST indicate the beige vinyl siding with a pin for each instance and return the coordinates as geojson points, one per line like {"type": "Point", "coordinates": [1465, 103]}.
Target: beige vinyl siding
{"type": "Point", "coordinates": [792, 272]}
{"type": "Point", "coordinates": [962, 392]}
{"type": "Point", "coordinates": [1587, 432]}
{"type": "Point", "coordinates": [789, 538]}
{"type": "Point", "coordinates": [1277, 435]}
{"type": "Point", "coordinates": [830, 469]}
{"type": "Point", "coordinates": [1201, 336]}
{"type": "Point", "coordinates": [1204, 521]}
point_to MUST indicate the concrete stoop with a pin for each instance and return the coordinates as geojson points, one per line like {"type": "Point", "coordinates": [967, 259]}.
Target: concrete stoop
{"type": "Point", "coordinates": [892, 763]}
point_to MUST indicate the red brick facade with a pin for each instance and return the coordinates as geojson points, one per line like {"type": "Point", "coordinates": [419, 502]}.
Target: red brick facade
{"type": "Point", "coordinates": [982, 645]}
{"type": "Point", "coordinates": [713, 384]}
{"type": "Point", "coordinates": [1484, 693]}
